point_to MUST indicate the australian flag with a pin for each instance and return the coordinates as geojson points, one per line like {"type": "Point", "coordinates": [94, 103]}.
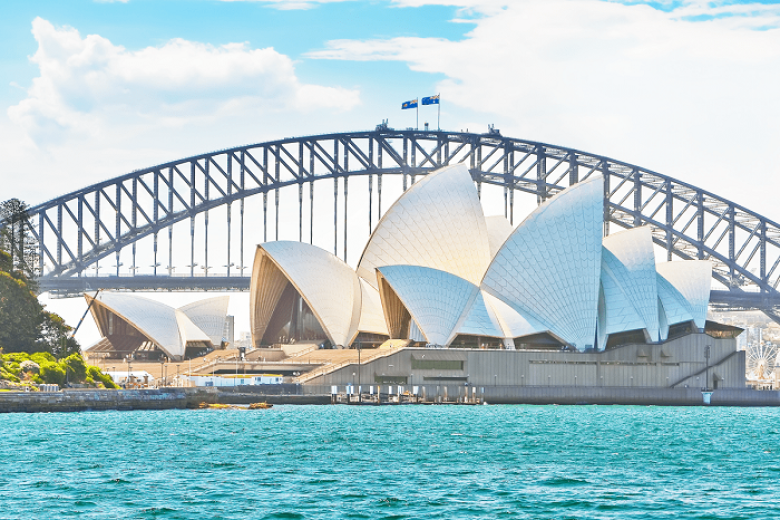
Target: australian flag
{"type": "Point", "coordinates": [432, 100]}
{"type": "Point", "coordinates": [409, 104]}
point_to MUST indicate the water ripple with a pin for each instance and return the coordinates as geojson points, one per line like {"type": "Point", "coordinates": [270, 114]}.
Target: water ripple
{"type": "Point", "coordinates": [427, 462]}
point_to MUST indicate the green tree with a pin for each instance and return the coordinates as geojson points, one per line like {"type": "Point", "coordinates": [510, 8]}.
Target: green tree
{"type": "Point", "coordinates": [17, 238]}
{"type": "Point", "coordinates": [21, 315]}
{"type": "Point", "coordinates": [53, 373]}
{"type": "Point", "coordinates": [55, 336]}
{"type": "Point", "coordinates": [25, 326]}
{"type": "Point", "coordinates": [76, 367]}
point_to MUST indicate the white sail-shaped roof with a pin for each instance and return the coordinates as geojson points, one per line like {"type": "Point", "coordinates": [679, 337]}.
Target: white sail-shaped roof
{"type": "Point", "coordinates": [513, 325]}
{"type": "Point", "coordinates": [327, 284]}
{"type": "Point", "coordinates": [436, 300]}
{"type": "Point", "coordinates": [630, 259]}
{"type": "Point", "coordinates": [372, 319]}
{"type": "Point", "coordinates": [189, 332]}
{"type": "Point", "coordinates": [153, 319]}
{"type": "Point", "coordinates": [676, 308]}
{"type": "Point", "coordinates": [601, 322]}
{"type": "Point", "coordinates": [549, 267]}
{"type": "Point", "coordinates": [481, 320]}
{"type": "Point", "coordinates": [620, 314]}
{"type": "Point", "coordinates": [663, 322]}
{"type": "Point", "coordinates": [209, 316]}
{"type": "Point", "coordinates": [693, 279]}
{"type": "Point", "coordinates": [437, 223]}
{"type": "Point", "coordinates": [499, 229]}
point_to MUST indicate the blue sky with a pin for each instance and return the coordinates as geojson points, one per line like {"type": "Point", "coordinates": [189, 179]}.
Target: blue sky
{"type": "Point", "coordinates": [142, 23]}
{"type": "Point", "coordinates": [91, 90]}
{"type": "Point", "coordinates": [349, 64]}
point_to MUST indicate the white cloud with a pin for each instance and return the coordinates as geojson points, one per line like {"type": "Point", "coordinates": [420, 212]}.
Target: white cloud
{"type": "Point", "coordinates": [97, 110]}
{"type": "Point", "coordinates": [87, 83]}
{"type": "Point", "coordinates": [695, 100]}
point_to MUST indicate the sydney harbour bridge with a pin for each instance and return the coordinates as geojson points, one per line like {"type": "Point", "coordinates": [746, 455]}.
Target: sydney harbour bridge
{"type": "Point", "coordinates": [150, 229]}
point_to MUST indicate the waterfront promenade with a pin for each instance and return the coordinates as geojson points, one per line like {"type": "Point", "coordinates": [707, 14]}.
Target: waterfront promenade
{"type": "Point", "coordinates": [180, 398]}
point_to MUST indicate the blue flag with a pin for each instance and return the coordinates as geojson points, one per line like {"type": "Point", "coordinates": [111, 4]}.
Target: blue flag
{"type": "Point", "coordinates": [409, 104]}
{"type": "Point", "coordinates": [432, 100]}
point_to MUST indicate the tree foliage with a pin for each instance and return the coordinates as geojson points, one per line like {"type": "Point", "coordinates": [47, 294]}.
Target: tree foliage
{"type": "Point", "coordinates": [17, 238]}
{"type": "Point", "coordinates": [18, 368]}
{"type": "Point", "coordinates": [25, 326]}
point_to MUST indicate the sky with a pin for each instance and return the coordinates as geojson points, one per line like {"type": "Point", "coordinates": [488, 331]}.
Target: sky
{"type": "Point", "coordinates": [94, 89]}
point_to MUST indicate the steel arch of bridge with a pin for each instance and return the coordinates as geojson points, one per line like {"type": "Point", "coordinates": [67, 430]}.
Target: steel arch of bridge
{"type": "Point", "coordinates": [79, 229]}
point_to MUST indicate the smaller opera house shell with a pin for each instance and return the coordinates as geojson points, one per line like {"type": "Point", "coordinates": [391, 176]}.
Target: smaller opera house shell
{"type": "Point", "coordinates": [436, 272]}
{"type": "Point", "coordinates": [150, 330]}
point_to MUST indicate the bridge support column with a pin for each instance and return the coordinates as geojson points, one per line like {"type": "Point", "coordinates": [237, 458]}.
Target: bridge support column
{"type": "Point", "coordinates": [336, 216]}
{"type": "Point", "coordinates": [379, 197]}
{"type": "Point", "coordinates": [669, 220]}
{"type": "Point", "coordinates": [170, 228]}
{"type": "Point", "coordinates": [370, 200]}
{"type": "Point", "coordinates": [300, 212]}
{"type": "Point", "coordinates": [637, 197]}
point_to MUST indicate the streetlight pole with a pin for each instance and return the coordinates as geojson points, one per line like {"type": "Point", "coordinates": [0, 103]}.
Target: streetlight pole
{"type": "Point", "coordinates": [360, 393]}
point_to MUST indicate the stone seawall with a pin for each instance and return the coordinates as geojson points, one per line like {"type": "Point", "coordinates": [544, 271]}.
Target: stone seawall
{"type": "Point", "coordinates": [629, 396]}
{"type": "Point", "coordinates": [570, 395]}
{"type": "Point", "coordinates": [151, 399]}
{"type": "Point", "coordinates": [254, 397]}
{"type": "Point", "coordinates": [172, 398]}
{"type": "Point", "coordinates": [94, 400]}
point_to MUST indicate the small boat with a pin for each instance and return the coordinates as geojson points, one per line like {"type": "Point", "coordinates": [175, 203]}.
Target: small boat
{"type": "Point", "coordinates": [260, 406]}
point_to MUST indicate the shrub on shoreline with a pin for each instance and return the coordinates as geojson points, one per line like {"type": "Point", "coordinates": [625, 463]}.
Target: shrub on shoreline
{"type": "Point", "coordinates": [72, 369]}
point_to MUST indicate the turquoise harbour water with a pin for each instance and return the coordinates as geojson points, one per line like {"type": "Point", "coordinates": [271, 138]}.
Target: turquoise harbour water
{"type": "Point", "coordinates": [393, 462]}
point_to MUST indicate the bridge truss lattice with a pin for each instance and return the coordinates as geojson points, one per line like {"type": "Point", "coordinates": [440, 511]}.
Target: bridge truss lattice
{"type": "Point", "coordinates": [81, 231]}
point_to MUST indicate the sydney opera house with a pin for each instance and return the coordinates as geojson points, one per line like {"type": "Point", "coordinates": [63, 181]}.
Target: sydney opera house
{"type": "Point", "coordinates": [438, 273]}
{"type": "Point", "coordinates": [150, 330]}
{"type": "Point", "coordinates": [446, 295]}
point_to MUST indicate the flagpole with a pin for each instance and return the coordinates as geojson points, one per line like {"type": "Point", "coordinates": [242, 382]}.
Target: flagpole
{"type": "Point", "coordinates": [417, 109]}
{"type": "Point", "coordinates": [438, 108]}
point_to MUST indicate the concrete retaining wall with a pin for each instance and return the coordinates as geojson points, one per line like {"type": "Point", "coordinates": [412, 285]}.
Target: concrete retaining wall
{"type": "Point", "coordinates": [570, 395]}
{"type": "Point", "coordinates": [628, 396]}
{"type": "Point", "coordinates": [152, 399]}
{"type": "Point", "coordinates": [86, 400]}
{"type": "Point", "coordinates": [162, 399]}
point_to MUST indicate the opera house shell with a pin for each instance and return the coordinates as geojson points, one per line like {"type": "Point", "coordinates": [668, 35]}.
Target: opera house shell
{"type": "Point", "coordinates": [436, 272]}
{"type": "Point", "coordinates": [150, 330]}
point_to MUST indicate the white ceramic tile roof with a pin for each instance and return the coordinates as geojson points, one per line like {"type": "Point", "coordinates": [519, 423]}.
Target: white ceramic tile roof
{"type": "Point", "coordinates": [372, 319]}
{"type": "Point", "coordinates": [620, 313]}
{"type": "Point", "coordinates": [435, 299]}
{"type": "Point", "coordinates": [549, 268]}
{"type": "Point", "coordinates": [601, 322]}
{"type": "Point", "coordinates": [513, 325]}
{"type": "Point", "coordinates": [630, 258]}
{"type": "Point", "coordinates": [481, 320]}
{"type": "Point", "coordinates": [676, 308]}
{"type": "Point", "coordinates": [155, 320]}
{"type": "Point", "coordinates": [328, 285]}
{"type": "Point", "coordinates": [189, 332]}
{"type": "Point", "coordinates": [498, 229]}
{"type": "Point", "coordinates": [693, 278]}
{"type": "Point", "coordinates": [209, 316]}
{"type": "Point", "coordinates": [663, 323]}
{"type": "Point", "coordinates": [415, 334]}
{"type": "Point", "coordinates": [437, 223]}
